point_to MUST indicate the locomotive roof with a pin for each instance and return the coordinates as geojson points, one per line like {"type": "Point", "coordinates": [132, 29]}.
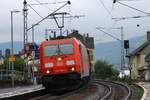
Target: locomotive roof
{"type": "Point", "coordinates": [66, 40]}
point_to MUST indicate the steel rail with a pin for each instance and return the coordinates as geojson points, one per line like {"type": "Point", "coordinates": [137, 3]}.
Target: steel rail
{"type": "Point", "coordinates": [108, 93]}
{"type": "Point", "coordinates": [128, 97]}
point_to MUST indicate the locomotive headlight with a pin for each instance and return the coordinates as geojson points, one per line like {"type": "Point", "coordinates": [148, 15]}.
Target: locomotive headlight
{"type": "Point", "coordinates": [48, 65]}
{"type": "Point", "coordinates": [47, 71]}
{"type": "Point", "coordinates": [59, 59]}
{"type": "Point", "coordinates": [72, 69]}
{"type": "Point", "coordinates": [70, 62]}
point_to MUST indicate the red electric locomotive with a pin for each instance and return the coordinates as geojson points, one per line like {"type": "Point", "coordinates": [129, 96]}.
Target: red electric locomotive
{"type": "Point", "coordinates": [64, 61]}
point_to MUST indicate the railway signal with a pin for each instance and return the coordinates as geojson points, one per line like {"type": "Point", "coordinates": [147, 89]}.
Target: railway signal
{"type": "Point", "coordinates": [126, 44]}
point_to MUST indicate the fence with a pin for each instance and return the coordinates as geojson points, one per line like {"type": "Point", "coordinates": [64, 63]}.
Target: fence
{"type": "Point", "coordinates": [7, 74]}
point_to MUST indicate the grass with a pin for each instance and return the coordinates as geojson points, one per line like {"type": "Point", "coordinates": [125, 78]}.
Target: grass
{"type": "Point", "coordinates": [137, 92]}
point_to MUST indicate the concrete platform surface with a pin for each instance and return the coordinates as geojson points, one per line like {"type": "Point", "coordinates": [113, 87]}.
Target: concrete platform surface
{"type": "Point", "coordinates": [9, 92]}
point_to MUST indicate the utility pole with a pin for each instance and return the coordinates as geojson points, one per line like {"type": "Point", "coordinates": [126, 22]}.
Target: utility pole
{"type": "Point", "coordinates": [25, 36]}
{"type": "Point", "coordinates": [122, 49]}
{"type": "Point", "coordinates": [25, 14]}
{"type": "Point", "coordinates": [12, 51]}
{"type": "Point", "coordinates": [12, 45]}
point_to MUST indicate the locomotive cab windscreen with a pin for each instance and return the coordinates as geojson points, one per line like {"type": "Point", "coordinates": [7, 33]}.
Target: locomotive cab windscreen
{"type": "Point", "coordinates": [60, 49]}
{"type": "Point", "coordinates": [58, 58]}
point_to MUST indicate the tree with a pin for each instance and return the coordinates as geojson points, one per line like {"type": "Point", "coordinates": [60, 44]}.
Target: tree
{"type": "Point", "coordinates": [104, 70]}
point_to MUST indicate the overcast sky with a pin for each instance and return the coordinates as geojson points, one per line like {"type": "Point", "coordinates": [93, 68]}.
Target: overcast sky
{"type": "Point", "coordinates": [95, 15]}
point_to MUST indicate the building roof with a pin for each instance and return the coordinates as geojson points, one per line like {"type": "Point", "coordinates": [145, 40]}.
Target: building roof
{"type": "Point", "coordinates": [139, 49]}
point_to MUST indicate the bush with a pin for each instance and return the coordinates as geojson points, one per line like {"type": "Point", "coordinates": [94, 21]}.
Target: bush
{"type": "Point", "coordinates": [104, 70]}
{"type": "Point", "coordinates": [19, 64]}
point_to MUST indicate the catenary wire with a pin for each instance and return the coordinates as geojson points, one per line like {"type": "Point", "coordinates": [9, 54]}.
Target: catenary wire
{"type": "Point", "coordinates": [42, 4]}
{"type": "Point", "coordinates": [35, 11]}
{"type": "Point", "coordinates": [106, 8]}
{"type": "Point", "coordinates": [133, 8]}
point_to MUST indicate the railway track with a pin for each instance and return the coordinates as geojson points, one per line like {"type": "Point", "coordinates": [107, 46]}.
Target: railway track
{"type": "Point", "coordinates": [105, 93]}
{"type": "Point", "coordinates": [117, 91]}
{"type": "Point", "coordinates": [94, 90]}
{"type": "Point", "coordinates": [55, 96]}
{"type": "Point", "coordinates": [106, 90]}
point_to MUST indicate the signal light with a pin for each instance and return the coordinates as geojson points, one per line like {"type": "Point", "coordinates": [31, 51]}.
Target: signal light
{"type": "Point", "coordinates": [126, 44]}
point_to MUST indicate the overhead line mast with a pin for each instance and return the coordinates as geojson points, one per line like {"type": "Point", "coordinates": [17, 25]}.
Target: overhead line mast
{"type": "Point", "coordinates": [25, 14]}
{"type": "Point", "coordinates": [25, 37]}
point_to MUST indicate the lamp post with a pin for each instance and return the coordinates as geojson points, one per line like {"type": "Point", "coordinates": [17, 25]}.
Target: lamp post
{"type": "Point", "coordinates": [12, 48]}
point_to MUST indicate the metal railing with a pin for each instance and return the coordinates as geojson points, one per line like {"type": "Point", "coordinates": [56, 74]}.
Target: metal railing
{"type": "Point", "coordinates": [7, 74]}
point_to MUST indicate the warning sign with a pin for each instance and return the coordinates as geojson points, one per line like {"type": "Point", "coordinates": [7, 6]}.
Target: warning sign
{"type": "Point", "coordinates": [12, 58]}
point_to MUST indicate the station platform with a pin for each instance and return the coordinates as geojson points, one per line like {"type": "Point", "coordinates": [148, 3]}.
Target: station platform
{"type": "Point", "coordinates": [20, 90]}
